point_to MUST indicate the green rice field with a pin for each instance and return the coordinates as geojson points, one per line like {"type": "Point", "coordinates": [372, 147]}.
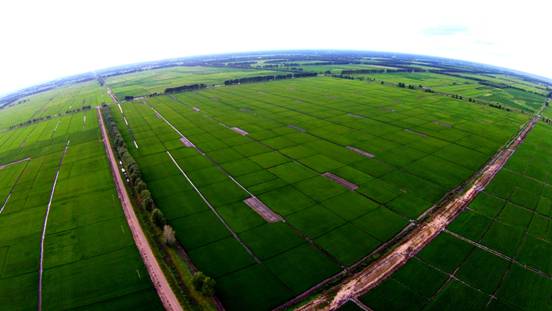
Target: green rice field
{"type": "Point", "coordinates": [509, 97]}
{"type": "Point", "coordinates": [157, 80]}
{"type": "Point", "coordinates": [298, 130]}
{"type": "Point", "coordinates": [345, 164]}
{"type": "Point", "coordinates": [496, 254]}
{"type": "Point", "coordinates": [90, 261]}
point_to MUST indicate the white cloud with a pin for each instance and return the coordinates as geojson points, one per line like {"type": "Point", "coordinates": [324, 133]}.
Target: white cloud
{"type": "Point", "coordinates": [43, 40]}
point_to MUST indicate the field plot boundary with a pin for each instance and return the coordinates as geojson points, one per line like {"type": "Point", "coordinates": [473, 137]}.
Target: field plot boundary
{"type": "Point", "coordinates": [158, 278]}
{"type": "Point", "coordinates": [3, 166]}
{"type": "Point", "coordinates": [234, 235]}
{"type": "Point", "coordinates": [13, 186]}
{"type": "Point", "coordinates": [499, 255]}
{"type": "Point", "coordinates": [45, 224]}
{"type": "Point", "coordinates": [218, 166]}
{"type": "Point", "coordinates": [416, 240]}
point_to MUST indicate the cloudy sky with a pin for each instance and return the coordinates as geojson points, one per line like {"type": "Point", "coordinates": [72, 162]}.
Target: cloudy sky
{"type": "Point", "coordinates": [45, 40]}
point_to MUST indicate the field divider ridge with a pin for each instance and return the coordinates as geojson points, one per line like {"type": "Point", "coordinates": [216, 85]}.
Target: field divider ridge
{"type": "Point", "coordinates": [5, 203]}
{"type": "Point", "coordinates": [234, 234]}
{"type": "Point", "coordinates": [44, 226]}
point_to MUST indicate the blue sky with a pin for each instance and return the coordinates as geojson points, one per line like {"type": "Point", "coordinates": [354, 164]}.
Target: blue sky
{"type": "Point", "coordinates": [44, 40]}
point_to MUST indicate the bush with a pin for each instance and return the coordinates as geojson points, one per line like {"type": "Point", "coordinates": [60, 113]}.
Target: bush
{"type": "Point", "coordinates": [169, 235]}
{"type": "Point", "coordinates": [147, 204]}
{"type": "Point", "coordinates": [140, 185]}
{"type": "Point", "coordinates": [203, 284]}
{"type": "Point", "coordinates": [157, 218]}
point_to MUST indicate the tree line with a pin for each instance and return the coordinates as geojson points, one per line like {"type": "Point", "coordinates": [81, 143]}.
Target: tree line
{"type": "Point", "coordinates": [270, 78]}
{"type": "Point", "coordinates": [185, 88]}
{"type": "Point", "coordinates": [142, 195]}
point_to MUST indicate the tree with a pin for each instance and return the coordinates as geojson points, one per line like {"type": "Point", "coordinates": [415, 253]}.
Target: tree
{"type": "Point", "coordinates": [147, 201]}
{"type": "Point", "coordinates": [147, 204]}
{"type": "Point", "coordinates": [139, 185]}
{"type": "Point", "coordinates": [169, 235]}
{"type": "Point", "coordinates": [158, 218]}
{"type": "Point", "coordinates": [203, 284]}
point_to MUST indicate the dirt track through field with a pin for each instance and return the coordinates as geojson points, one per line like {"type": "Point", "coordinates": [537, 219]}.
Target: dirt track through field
{"type": "Point", "coordinates": [158, 278]}
{"type": "Point", "coordinates": [14, 184]}
{"type": "Point", "coordinates": [3, 166]}
{"type": "Point", "coordinates": [44, 225]}
{"type": "Point", "coordinates": [415, 241]}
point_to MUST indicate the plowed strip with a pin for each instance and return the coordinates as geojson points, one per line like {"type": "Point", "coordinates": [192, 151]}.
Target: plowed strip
{"type": "Point", "coordinates": [262, 209]}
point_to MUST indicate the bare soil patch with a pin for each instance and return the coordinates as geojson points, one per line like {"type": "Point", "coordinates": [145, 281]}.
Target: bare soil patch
{"type": "Point", "coordinates": [345, 183]}
{"type": "Point", "coordinates": [262, 210]}
{"type": "Point", "coordinates": [297, 128]}
{"type": "Point", "coordinates": [416, 132]}
{"type": "Point", "coordinates": [441, 123]}
{"type": "Point", "coordinates": [239, 131]}
{"type": "Point", "coordinates": [356, 116]}
{"type": "Point", "coordinates": [361, 152]}
{"type": "Point", "coordinates": [186, 142]}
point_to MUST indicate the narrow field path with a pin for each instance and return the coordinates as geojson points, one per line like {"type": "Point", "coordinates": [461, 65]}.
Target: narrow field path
{"type": "Point", "coordinates": [158, 278]}
{"type": "Point", "coordinates": [216, 164]}
{"type": "Point", "coordinates": [416, 240]}
{"type": "Point", "coordinates": [3, 166]}
{"type": "Point", "coordinates": [44, 225]}
{"type": "Point", "coordinates": [500, 255]}
{"type": "Point", "coordinates": [14, 184]}
{"type": "Point", "coordinates": [219, 217]}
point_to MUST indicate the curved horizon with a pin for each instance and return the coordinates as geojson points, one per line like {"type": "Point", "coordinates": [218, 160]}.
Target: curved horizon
{"type": "Point", "coordinates": [543, 79]}
{"type": "Point", "coordinates": [61, 38]}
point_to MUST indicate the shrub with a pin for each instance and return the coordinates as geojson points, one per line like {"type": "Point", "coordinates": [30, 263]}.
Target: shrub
{"type": "Point", "coordinates": [139, 185]}
{"type": "Point", "coordinates": [157, 218]}
{"type": "Point", "coordinates": [169, 235]}
{"type": "Point", "coordinates": [147, 204]}
{"type": "Point", "coordinates": [203, 284]}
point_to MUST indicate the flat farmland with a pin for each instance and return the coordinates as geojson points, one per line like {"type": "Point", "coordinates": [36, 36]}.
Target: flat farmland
{"type": "Point", "coordinates": [53, 102]}
{"type": "Point", "coordinates": [321, 68]}
{"type": "Point", "coordinates": [90, 261]}
{"type": "Point", "coordinates": [513, 81]}
{"type": "Point", "coordinates": [404, 150]}
{"type": "Point", "coordinates": [157, 80]}
{"type": "Point", "coordinates": [495, 254]}
{"type": "Point", "coordinates": [509, 97]}
{"type": "Point", "coordinates": [90, 257]}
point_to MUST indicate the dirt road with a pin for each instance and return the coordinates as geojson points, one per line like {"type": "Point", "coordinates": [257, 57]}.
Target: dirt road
{"type": "Point", "coordinates": [164, 290]}
{"type": "Point", "coordinates": [414, 242]}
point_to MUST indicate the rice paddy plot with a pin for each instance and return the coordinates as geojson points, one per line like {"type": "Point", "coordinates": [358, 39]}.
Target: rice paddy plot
{"type": "Point", "coordinates": [283, 167]}
{"type": "Point", "coordinates": [494, 254]}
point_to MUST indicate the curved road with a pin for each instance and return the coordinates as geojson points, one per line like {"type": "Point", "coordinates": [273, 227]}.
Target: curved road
{"type": "Point", "coordinates": [160, 282]}
{"type": "Point", "coordinates": [414, 242]}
